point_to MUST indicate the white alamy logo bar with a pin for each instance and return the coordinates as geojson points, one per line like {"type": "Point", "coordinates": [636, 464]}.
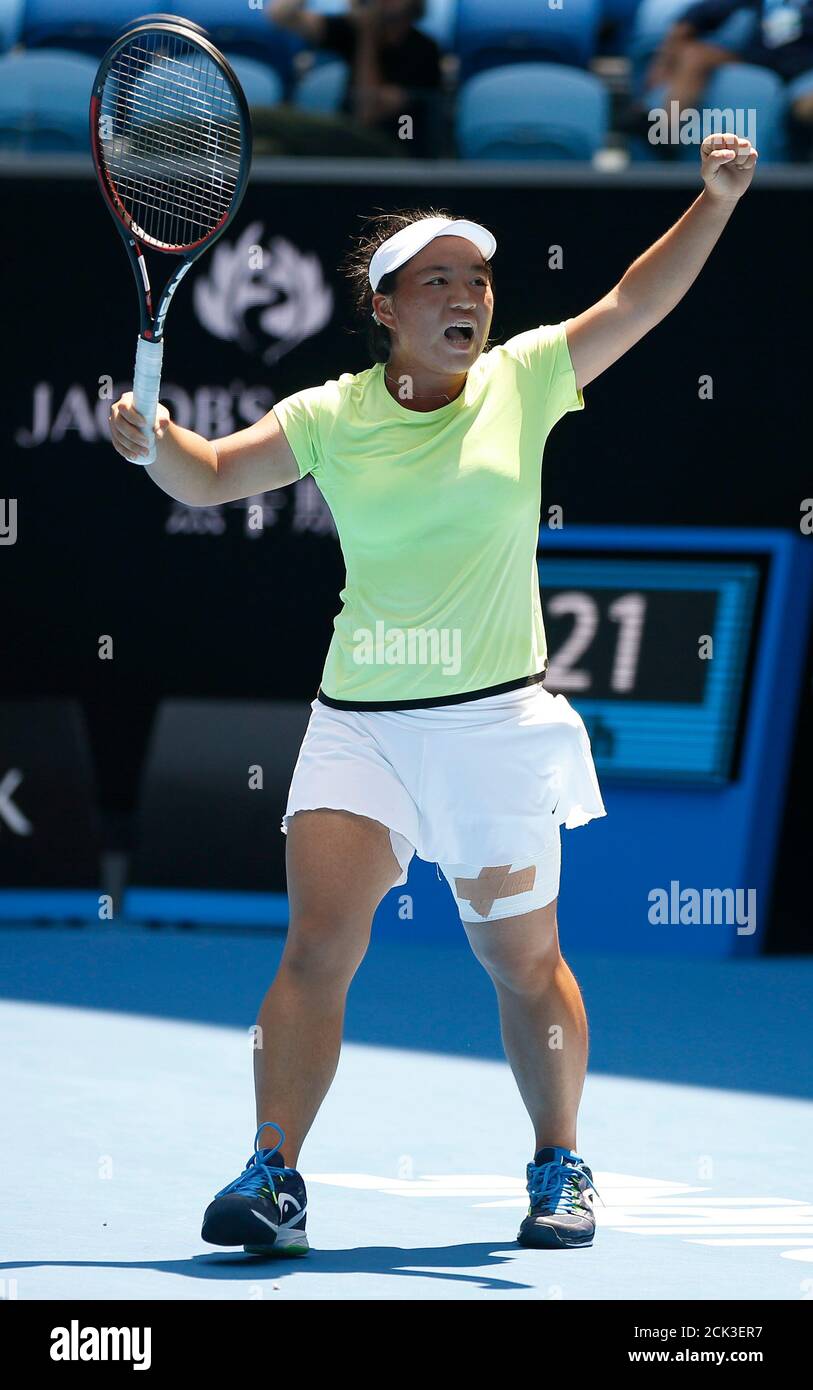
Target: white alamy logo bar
{"type": "Point", "coordinates": [75, 1343]}
{"type": "Point", "coordinates": [703, 907]}
{"type": "Point", "coordinates": [408, 646]}
{"type": "Point", "coordinates": [689, 126]}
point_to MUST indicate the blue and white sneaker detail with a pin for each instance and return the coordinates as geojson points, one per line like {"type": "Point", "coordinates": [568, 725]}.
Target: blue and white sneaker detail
{"type": "Point", "coordinates": [264, 1208]}
{"type": "Point", "coordinates": [561, 1187]}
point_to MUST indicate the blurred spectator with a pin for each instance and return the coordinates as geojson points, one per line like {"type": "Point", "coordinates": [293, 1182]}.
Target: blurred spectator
{"type": "Point", "coordinates": [780, 39]}
{"type": "Point", "coordinates": [394, 68]}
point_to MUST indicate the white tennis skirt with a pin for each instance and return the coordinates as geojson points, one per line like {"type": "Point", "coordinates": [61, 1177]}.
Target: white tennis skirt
{"type": "Point", "coordinates": [480, 782]}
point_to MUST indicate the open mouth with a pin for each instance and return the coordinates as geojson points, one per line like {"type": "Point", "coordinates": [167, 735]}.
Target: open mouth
{"type": "Point", "coordinates": [457, 334]}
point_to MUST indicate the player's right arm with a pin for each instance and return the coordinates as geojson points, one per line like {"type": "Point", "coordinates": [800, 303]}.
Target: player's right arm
{"type": "Point", "coordinates": [201, 472]}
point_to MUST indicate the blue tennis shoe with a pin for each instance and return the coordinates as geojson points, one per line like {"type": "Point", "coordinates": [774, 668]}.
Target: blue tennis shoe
{"type": "Point", "coordinates": [264, 1208]}
{"type": "Point", "coordinates": [561, 1187]}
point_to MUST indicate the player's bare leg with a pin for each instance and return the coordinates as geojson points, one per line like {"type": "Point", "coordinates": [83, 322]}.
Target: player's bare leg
{"type": "Point", "coordinates": [544, 1032]}
{"type": "Point", "coordinates": [542, 1017]}
{"type": "Point", "coordinates": [339, 867]}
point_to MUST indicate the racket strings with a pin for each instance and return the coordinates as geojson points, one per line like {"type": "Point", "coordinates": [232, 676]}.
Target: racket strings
{"type": "Point", "coordinates": [170, 138]}
{"type": "Point", "coordinates": [178, 102]}
{"type": "Point", "coordinates": [178, 190]}
{"type": "Point", "coordinates": [158, 112]}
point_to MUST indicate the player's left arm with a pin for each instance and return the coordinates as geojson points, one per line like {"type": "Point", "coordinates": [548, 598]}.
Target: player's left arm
{"type": "Point", "coordinates": [658, 280]}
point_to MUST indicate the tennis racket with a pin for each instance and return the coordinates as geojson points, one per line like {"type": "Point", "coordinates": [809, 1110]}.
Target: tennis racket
{"type": "Point", "coordinates": [171, 140]}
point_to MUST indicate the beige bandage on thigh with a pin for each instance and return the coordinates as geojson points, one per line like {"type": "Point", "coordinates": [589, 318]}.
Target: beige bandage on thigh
{"type": "Point", "coordinates": [490, 892]}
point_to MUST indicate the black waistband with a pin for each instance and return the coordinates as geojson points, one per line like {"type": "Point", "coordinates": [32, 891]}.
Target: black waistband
{"type": "Point", "coordinates": [432, 703]}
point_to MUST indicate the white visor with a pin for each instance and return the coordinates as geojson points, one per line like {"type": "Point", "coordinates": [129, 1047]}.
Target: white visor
{"type": "Point", "coordinates": [401, 247]}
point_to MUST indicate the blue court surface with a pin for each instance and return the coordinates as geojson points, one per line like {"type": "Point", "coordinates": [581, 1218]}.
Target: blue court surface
{"type": "Point", "coordinates": [127, 1077]}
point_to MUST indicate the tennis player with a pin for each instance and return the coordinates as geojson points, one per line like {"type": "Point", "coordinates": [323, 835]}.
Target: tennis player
{"type": "Point", "coordinates": [432, 731]}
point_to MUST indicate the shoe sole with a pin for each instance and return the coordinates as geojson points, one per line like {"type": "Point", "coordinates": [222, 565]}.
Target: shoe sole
{"type": "Point", "coordinates": [550, 1241]}
{"type": "Point", "coordinates": [288, 1245]}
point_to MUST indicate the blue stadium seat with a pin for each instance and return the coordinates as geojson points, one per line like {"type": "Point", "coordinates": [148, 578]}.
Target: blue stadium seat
{"type": "Point", "coordinates": [438, 21]}
{"type": "Point", "coordinates": [740, 88]}
{"type": "Point", "coordinates": [621, 12]}
{"type": "Point", "coordinates": [11, 16]}
{"type": "Point", "coordinates": [322, 88]}
{"type": "Point", "coordinates": [532, 111]}
{"type": "Point", "coordinates": [733, 90]}
{"type": "Point", "coordinates": [44, 100]}
{"type": "Point", "coordinates": [262, 85]}
{"type": "Point", "coordinates": [90, 25]}
{"type": "Point", "coordinates": [491, 34]}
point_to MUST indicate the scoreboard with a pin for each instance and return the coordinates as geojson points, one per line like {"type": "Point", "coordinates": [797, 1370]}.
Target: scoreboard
{"type": "Point", "coordinates": [655, 653]}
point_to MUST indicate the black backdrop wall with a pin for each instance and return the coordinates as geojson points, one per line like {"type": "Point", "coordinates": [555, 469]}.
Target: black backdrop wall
{"type": "Point", "coordinates": [199, 602]}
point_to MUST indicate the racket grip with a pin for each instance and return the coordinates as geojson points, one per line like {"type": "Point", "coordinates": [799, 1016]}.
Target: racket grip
{"type": "Point", "coordinates": [146, 387]}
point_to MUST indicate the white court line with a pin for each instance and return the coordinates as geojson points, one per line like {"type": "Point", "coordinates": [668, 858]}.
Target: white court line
{"type": "Point", "coordinates": [632, 1205]}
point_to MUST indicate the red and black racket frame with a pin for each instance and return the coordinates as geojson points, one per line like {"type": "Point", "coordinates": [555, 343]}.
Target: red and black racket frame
{"type": "Point", "coordinates": [152, 319]}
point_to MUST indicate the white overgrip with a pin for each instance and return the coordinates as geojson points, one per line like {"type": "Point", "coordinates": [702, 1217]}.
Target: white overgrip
{"type": "Point", "coordinates": [147, 386]}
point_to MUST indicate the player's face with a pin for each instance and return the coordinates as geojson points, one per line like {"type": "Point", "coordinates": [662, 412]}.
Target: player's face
{"type": "Point", "coordinates": [444, 284]}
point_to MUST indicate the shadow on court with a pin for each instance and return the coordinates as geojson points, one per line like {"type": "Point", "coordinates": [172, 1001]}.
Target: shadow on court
{"type": "Point", "coordinates": [447, 1263]}
{"type": "Point", "coordinates": [737, 1025]}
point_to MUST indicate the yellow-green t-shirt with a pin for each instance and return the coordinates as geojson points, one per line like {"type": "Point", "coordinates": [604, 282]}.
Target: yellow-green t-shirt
{"type": "Point", "coordinates": [438, 517]}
